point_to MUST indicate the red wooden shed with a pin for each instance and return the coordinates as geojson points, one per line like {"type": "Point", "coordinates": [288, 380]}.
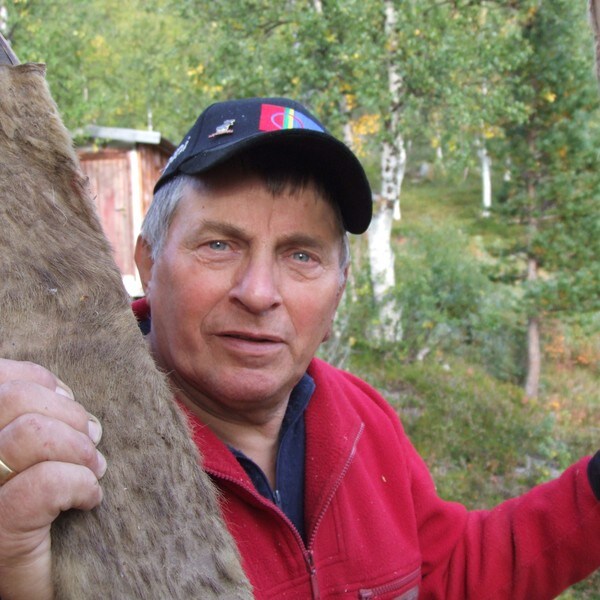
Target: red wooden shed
{"type": "Point", "coordinates": [122, 166]}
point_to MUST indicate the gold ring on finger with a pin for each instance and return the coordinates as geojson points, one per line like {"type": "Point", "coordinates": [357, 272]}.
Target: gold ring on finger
{"type": "Point", "coordinates": [6, 473]}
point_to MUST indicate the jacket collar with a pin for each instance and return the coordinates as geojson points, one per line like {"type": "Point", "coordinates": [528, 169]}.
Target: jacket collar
{"type": "Point", "coordinates": [332, 431]}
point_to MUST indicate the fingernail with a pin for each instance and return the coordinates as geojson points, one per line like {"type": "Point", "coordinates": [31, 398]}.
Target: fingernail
{"type": "Point", "coordinates": [64, 390]}
{"type": "Point", "coordinates": [101, 464]}
{"type": "Point", "coordinates": [94, 429]}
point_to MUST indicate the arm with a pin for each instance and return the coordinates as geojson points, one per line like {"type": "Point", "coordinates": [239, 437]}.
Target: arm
{"type": "Point", "coordinates": [49, 440]}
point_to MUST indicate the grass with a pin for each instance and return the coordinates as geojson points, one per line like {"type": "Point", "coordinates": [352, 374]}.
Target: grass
{"type": "Point", "coordinates": [454, 202]}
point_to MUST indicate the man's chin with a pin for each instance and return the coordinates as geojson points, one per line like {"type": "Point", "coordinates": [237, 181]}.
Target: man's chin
{"type": "Point", "coordinates": [254, 392]}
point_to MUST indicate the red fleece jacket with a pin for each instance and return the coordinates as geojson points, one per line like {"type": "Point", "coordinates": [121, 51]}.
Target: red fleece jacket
{"type": "Point", "coordinates": [376, 527]}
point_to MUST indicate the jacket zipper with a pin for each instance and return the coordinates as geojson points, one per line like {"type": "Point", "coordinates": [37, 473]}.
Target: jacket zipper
{"type": "Point", "coordinates": [336, 485]}
{"type": "Point", "coordinates": [366, 594]}
{"type": "Point", "coordinates": [314, 584]}
{"type": "Point", "coordinates": [307, 552]}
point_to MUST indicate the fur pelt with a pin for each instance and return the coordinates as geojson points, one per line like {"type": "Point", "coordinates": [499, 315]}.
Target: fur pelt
{"type": "Point", "coordinates": [158, 533]}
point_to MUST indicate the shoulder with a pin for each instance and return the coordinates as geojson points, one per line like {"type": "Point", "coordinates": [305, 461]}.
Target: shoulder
{"type": "Point", "coordinates": [344, 388]}
{"type": "Point", "coordinates": [344, 403]}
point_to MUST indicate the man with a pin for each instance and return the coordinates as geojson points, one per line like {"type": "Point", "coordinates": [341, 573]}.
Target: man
{"type": "Point", "coordinates": [244, 257]}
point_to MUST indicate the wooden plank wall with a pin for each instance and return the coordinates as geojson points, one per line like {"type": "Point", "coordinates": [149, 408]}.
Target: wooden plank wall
{"type": "Point", "coordinates": [122, 182]}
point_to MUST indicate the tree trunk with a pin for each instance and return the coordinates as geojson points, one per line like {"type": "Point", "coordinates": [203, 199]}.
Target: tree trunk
{"type": "Point", "coordinates": [393, 164]}
{"type": "Point", "coordinates": [534, 354]}
{"type": "Point", "coordinates": [381, 261]}
{"type": "Point", "coordinates": [486, 179]}
{"type": "Point", "coordinates": [534, 359]}
{"type": "Point", "coordinates": [594, 6]}
{"type": "Point", "coordinates": [3, 19]}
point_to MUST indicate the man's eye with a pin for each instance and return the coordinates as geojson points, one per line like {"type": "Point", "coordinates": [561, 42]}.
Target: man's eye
{"type": "Point", "coordinates": [301, 257]}
{"type": "Point", "coordinates": [218, 245]}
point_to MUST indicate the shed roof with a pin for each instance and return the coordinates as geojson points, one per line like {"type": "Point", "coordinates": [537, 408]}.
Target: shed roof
{"type": "Point", "coordinates": [122, 136]}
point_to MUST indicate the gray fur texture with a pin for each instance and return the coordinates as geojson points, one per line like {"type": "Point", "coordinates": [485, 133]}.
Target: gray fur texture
{"type": "Point", "coordinates": [158, 533]}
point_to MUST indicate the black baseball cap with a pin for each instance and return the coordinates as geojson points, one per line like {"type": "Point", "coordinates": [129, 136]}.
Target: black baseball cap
{"type": "Point", "coordinates": [226, 129]}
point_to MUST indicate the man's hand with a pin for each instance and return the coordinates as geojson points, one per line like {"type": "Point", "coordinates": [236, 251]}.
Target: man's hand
{"type": "Point", "coordinates": [49, 441]}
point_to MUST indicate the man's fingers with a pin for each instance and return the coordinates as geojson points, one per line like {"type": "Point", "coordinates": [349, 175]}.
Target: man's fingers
{"type": "Point", "coordinates": [28, 371]}
{"type": "Point", "coordinates": [48, 440]}
{"type": "Point", "coordinates": [18, 397]}
{"type": "Point", "coordinates": [29, 388]}
{"type": "Point", "coordinates": [33, 438]}
{"type": "Point", "coordinates": [58, 487]}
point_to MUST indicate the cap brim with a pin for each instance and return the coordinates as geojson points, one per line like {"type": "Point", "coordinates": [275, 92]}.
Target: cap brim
{"type": "Point", "coordinates": [352, 189]}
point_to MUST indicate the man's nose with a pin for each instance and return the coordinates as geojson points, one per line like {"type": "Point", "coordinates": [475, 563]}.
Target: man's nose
{"type": "Point", "coordinates": [257, 285]}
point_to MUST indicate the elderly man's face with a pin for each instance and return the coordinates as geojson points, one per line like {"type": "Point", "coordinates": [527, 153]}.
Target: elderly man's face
{"type": "Point", "coordinates": [243, 292]}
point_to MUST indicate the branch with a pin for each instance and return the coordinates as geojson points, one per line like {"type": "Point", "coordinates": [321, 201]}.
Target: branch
{"type": "Point", "coordinates": [268, 28]}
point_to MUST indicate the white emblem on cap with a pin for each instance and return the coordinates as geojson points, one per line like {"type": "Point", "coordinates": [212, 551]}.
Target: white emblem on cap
{"type": "Point", "coordinates": [224, 129]}
{"type": "Point", "coordinates": [177, 152]}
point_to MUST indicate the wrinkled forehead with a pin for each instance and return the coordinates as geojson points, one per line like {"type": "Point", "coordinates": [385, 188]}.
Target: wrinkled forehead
{"type": "Point", "coordinates": [280, 177]}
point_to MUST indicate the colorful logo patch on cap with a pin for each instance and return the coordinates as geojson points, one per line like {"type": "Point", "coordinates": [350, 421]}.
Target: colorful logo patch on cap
{"type": "Point", "coordinates": [274, 118]}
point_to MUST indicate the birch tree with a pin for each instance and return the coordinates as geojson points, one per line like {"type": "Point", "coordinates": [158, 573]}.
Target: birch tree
{"type": "Point", "coordinates": [387, 204]}
{"type": "Point", "coordinates": [3, 19]}
{"type": "Point", "coordinates": [486, 179]}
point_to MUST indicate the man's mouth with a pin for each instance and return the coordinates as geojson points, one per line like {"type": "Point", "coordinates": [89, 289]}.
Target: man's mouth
{"type": "Point", "coordinates": [257, 338]}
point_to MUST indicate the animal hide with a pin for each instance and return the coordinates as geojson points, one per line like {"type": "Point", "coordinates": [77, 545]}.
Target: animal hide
{"type": "Point", "coordinates": [158, 533]}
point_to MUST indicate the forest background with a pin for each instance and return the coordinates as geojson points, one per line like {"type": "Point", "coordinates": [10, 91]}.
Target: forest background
{"type": "Point", "coordinates": [475, 308]}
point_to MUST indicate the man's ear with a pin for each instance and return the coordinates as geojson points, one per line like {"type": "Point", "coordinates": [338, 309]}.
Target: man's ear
{"type": "Point", "coordinates": [343, 283]}
{"type": "Point", "coordinates": [144, 262]}
{"type": "Point", "coordinates": [341, 290]}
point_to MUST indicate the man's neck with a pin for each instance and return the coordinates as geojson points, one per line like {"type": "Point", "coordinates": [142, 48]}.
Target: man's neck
{"type": "Point", "coordinates": [257, 438]}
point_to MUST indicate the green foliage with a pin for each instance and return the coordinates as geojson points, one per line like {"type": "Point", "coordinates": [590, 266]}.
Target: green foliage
{"type": "Point", "coordinates": [464, 57]}
{"type": "Point", "coordinates": [440, 286]}
{"type": "Point", "coordinates": [555, 189]}
{"type": "Point", "coordinates": [114, 63]}
{"type": "Point", "coordinates": [448, 304]}
{"type": "Point", "coordinates": [278, 48]}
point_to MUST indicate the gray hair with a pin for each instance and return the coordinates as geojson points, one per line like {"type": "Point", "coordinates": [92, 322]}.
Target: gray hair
{"type": "Point", "coordinates": [166, 200]}
{"type": "Point", "coordinates": [162, 210]}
